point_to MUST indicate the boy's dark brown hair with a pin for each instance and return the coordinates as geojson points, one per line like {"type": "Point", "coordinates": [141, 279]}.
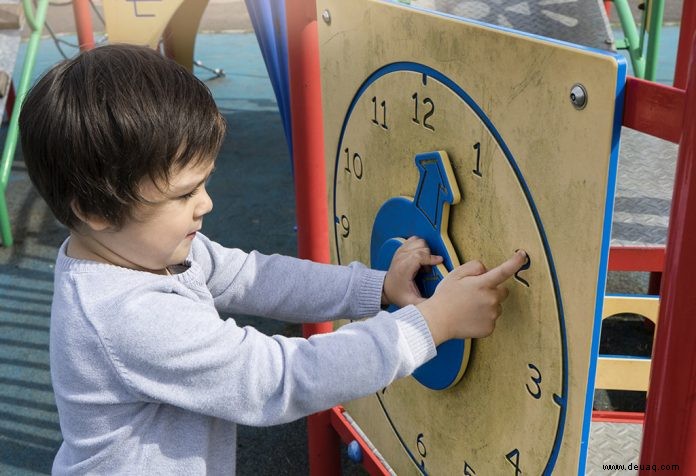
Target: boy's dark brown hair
{"type": "Point", "coordinates": [94, 126]}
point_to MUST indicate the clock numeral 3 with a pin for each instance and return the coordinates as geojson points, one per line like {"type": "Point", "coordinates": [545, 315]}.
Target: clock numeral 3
{"type": "Point", "coordinates": [383, 105]}
{"type": "Point", "coordinates": [514, 458]}
{"type": "Point", "coordinates": [536, 393]}
{"type": "Point", "coordinates": [354, 167]}
{"type": "Point", "coordinates": [416, 118]}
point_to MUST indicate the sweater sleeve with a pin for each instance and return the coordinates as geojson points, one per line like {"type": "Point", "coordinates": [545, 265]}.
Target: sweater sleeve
{"type": "Point", "coordinates": [171, 349]}
{"type": "Point", "coordinates": [286, 288]}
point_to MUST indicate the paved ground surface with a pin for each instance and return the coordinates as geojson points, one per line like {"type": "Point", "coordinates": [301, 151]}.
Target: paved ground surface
{"type": "Point", "coordinates": [254, 159]}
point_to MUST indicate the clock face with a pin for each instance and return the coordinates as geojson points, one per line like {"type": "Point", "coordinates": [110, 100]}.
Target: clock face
{"type": "Point", "coordinates": [475, 139]}
{"type": "Point", "coordinates": [389, 183]}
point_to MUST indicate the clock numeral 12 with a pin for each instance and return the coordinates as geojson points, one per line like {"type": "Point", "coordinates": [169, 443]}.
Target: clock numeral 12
{"type": "Point", "coordinates": [514, 458]}
{"type": "Point", "coordinates": [427, 115]}
{"type": "Point", "coordinates": [383, 104]}
{"type": "Point", "coordinates": [357, 164]}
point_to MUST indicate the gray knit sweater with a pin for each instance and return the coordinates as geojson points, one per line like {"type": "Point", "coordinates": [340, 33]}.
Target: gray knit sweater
{"type": "Point", "coordinates": [149, 379]}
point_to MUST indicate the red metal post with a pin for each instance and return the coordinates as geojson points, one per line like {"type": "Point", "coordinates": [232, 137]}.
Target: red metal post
{"type": "Point", "coordinates": [670, 420]}
{"type": "Point", "coordinates": [83, 24]}
{"type": "Point", "coordinates": [686, 41]}
{"type": "Point", "coordinates": [310, 191]}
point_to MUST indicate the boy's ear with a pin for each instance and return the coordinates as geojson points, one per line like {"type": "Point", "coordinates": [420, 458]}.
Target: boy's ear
{"type": "Point", "coordinates": [95, 223]}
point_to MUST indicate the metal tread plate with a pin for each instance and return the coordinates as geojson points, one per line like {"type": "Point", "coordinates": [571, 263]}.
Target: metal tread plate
{"type": "Point", "coordinates": [613, 448]}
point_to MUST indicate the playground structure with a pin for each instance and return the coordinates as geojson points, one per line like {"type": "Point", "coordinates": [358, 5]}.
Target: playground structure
{"type": "Point", "coordinates": [672, 99]}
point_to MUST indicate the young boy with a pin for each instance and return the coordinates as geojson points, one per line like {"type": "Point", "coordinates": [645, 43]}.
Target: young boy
{"type": "Point", "coordinates": [147, 378]}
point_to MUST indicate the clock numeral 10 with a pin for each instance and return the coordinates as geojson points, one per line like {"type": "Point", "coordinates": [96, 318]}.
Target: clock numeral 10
{"type": "Point", "coordinates": [427, 115]}
{"type": "Point", "coordinates": [514, 458]}
{"type": "Point", "coordinates": [383, 105]}
{"type": "Point", "coordinates": [354, 167]}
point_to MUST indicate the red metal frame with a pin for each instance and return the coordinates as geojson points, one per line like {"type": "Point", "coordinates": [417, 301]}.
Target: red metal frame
{"type": "Point", "coordinates": [670, 419]}
{"type": "Point", "coordinates": [348, 434]}
{"type": "Point", "coordinates": [83, 24]}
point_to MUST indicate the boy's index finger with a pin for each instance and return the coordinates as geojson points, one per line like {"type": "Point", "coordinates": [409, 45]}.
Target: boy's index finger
{"type": "Point", "coordinates": [506, 270]}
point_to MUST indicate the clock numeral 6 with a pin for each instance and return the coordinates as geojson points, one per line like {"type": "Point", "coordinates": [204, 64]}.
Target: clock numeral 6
{"type": "Point", "coordinates": [536, 393]}
{"type": "Point", "coordinates": [420, 446]}
{"type": "Point", "coordinates": [428, 114]}
{"type": "Point", "coordinates": [345, 224]}
{"type": "Point", "coordinates": [354, 167]}
{"type": "Point", "coordinates": [383, 105]}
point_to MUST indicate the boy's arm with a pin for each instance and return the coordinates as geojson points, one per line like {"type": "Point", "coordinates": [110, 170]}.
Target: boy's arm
{"type": "Point", "coordinates": [171, 349]}
{"type": "Point", "coordinates": [287, 288]}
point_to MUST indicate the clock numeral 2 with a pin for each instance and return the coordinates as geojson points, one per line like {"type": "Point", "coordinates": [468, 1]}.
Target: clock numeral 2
{"type": "Point", "coordinates": [514, 458]}
{"type": "Point", "coordinates": [383, 104]}
{"type": "Point", "coordinates": [356, 166]}
{"type": "Point", "coordinates": [524, 267]}
{"type": "Point", "coordinates": [536, 393]}
{"type": "Point", "coordinates": [431, 111]}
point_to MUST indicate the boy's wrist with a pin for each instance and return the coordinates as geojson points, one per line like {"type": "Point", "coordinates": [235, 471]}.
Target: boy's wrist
{"type": "Point", "coordinates": [432, 318]}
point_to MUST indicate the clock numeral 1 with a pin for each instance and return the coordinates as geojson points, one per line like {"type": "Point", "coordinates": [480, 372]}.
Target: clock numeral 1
{"type": "Point", "coordinates": [354, 167]}
{"type": "Point", "coordinates": [345, 224]}
{"type": "Point", "coordinates": [422, 451]}
{"type": "Point", "coordinates": [468, 470]}
{"type": "Point", "coordinates": [514, 458]}
{"type": "Point", "coordinates": [383, 104]}
{"type": "Point", "coordinates": [536, 393]}
{"type": "Point", "coordinates": [427, 115]}
{"type": "Point", "coordinates": [477, 170]}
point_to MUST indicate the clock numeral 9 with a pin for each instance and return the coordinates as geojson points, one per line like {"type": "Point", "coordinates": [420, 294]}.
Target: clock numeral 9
{"type": "Point", "coordinates": [514, 458]}
{"type": "Point", "coordinates": [422, 451]}
{"type": "Point", "coordinates": [383, 105]}
{"type": "Point", "coordinates": [345, 224]}
{"type": "Point", "coordinates": [356, 166]}
{"type": "Point", "coordinates": [536, 393]}
{"type": "Point", "coordinates": [428, 114]}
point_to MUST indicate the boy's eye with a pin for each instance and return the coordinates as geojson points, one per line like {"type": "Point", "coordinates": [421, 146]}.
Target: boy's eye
{"type": "Point", "coordinates": [190, 194]}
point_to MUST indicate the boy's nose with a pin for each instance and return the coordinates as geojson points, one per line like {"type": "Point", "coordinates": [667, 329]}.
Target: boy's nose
{"type": "Point", "coordinates": [206, 204]}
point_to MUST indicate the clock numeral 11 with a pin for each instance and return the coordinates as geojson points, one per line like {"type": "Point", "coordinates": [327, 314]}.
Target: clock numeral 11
{"type": "Point", "coordinates": [383, 105]}
{"type": "Point", "coordinates": [354, 167]}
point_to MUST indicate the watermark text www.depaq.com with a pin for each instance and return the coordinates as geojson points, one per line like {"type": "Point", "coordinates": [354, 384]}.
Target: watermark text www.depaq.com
{"type": "Point", "coordinates": [640, 467]}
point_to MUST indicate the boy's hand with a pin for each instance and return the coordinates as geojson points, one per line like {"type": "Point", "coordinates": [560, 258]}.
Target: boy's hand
{"type": "Point", "coordinates": [468, 300]}
{"type": "Point", "coordinates": [399, 287]}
